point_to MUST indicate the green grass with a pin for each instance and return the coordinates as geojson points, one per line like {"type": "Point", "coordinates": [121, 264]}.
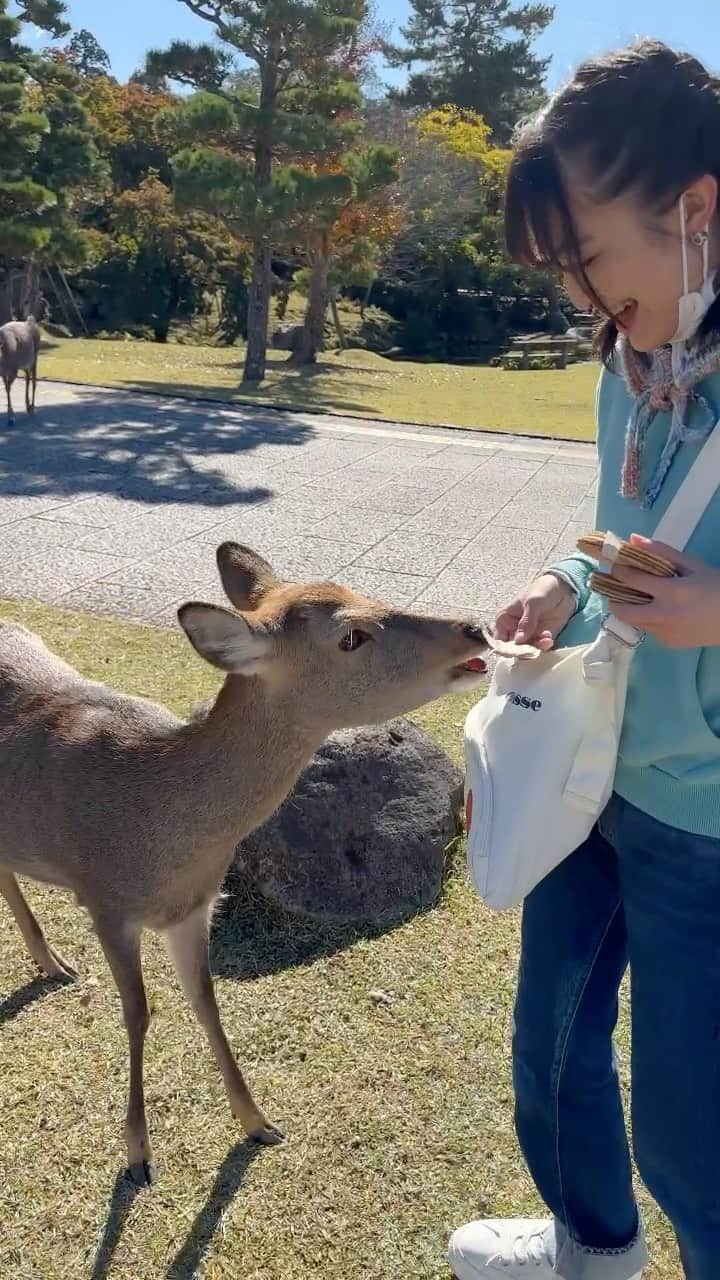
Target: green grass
{"type": "Point", "coordinates": [399, 1117]}
{"type": "Point", "coordinates": [546, 403]}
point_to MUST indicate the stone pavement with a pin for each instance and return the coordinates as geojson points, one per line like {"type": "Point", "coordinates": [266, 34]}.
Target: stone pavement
{"type": "Point", "coordinates": [115, 501]}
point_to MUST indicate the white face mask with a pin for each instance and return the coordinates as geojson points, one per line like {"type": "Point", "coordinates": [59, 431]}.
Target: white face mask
{"type": "Point", "coordinates": [693, 307]}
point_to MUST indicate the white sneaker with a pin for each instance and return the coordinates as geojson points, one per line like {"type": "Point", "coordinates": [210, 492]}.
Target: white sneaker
{"type": "Point", "coordinates": [515, 1248]}
{"type": "Point", "coordinates": [506, 1247]}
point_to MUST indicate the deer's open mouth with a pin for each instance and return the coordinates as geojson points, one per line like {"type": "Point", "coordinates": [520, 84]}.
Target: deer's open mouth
{"type": "Point", "coordinates": [473, 667]}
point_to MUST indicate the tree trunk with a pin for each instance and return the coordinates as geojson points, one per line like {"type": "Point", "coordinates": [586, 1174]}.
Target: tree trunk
{"type": "Point", "coordinates": [366, 301]}
{"type": "Point", "coordinates": [557, 320]}
{"type": "Point", "coordinates": [31, 298]}
{"type": "Point", "coordinates": [336, 319]}
{"type": "Point", "coordinates": [313, 339]}
{"type": "Point", "coordinates": [65, 311]}
{"type": "Point", "coordinates": [6, 297]}
{"type": "Point", "coordinates": [73, 302]}
{"type": "Point", "coordinates": [258, 312]}
{"type": "Point", "coordinates": [261, 279]}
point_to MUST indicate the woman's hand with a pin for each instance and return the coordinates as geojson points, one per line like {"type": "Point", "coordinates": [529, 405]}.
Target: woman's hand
{"type": "Point", "coordinates": [539, 614]}
{"type": "Point", "coordinates": [685, 611]}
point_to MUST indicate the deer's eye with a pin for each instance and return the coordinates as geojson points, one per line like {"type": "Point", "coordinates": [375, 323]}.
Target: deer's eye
{"type": "Point", "coordinates": [353, 639]}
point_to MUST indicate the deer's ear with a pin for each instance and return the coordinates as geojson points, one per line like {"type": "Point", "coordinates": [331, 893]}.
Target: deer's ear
{"type": "Point", "coordinates": [245, 576]}
{"type": "Point", "coordinates": [225, 640]}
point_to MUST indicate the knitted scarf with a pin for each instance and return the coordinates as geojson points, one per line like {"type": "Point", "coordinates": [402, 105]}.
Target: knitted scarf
{"type": "Point", "coordinates": [656, 388]}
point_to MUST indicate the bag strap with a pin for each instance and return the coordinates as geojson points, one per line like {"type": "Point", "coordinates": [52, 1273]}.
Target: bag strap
{"type": "Point", "coordinates": [683, 515]}
{"type": "Point", "coordinates": [693, 497]}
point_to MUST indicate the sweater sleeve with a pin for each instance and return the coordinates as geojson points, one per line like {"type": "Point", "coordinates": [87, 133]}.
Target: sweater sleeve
{"type": "Point", "coordinates": [575, 569]}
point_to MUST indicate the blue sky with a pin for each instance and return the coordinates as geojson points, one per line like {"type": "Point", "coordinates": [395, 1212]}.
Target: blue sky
{"type": "Point", "coordinates": [126, 28]}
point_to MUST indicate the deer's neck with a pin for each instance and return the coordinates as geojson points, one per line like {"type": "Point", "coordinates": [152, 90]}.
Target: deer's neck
{"type": "Point", "coordinates": [236, 766]}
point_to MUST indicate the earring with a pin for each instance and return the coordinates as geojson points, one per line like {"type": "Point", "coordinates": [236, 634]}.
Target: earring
{"type": "Point", "coordinates": [700, 238]}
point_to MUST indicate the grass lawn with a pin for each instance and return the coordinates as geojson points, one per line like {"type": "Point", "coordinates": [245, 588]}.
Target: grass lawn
{"type": "Point", "coordinates": [546, 403]}
{"type": "Point", "coordinates": [398, 1117]}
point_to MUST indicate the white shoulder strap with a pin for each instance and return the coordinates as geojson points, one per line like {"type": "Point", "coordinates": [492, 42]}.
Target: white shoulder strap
{"type": "Point", "coordinates": [688, 506]}
{"type": "Point", "coordinates": [681, 519]}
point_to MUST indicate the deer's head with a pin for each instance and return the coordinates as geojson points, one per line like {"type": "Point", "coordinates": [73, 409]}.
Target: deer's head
{"type": "Point", "coordinates": [345, 660]}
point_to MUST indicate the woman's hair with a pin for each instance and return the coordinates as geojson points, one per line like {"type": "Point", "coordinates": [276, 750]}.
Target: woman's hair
{"type": "Point", "coordinates": [646, 120]}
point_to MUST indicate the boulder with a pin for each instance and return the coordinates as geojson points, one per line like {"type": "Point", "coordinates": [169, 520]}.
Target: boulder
{"type": "Point", "coordinates": [364, 833]}
{"type": "Point", "coordinates": [288, 337]}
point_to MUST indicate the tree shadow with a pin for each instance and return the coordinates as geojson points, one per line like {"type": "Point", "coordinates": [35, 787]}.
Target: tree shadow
{"type": "Point", "coordinates": [228, 1181]}
{"type": "Point", "coordinates": [20, 999]}
{"type": "Point", "coordinates": [297, 391]}
{"type": "Point", "coordinates": [145, 449]}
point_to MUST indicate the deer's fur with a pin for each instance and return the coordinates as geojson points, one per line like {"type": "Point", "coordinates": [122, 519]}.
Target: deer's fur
{"type": "Point", "coordinates": [19, 347]}
{"type": "Point", "coordinates": [138, 813]}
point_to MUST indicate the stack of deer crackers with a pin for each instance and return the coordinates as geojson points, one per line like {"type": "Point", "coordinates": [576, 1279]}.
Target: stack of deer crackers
{"type": "Point", "coordinates": [626, 556]}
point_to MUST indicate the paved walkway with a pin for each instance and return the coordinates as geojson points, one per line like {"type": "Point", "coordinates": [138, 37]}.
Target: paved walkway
{"type": "Point", "coordinates": [114, 501]}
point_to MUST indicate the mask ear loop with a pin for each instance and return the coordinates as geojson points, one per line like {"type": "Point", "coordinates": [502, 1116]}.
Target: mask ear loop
{"type": "Point", "coordinates": [701, 240]}
{"type": "Point", "coordinates": [683, 247]}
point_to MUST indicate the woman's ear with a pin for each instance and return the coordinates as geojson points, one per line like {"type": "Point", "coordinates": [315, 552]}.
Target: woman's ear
{"type": "Point", "coordinates": [701, 202]}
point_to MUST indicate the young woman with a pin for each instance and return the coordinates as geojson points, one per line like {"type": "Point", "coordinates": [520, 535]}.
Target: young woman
{"type": "Point", "coordinates": [616, 184]}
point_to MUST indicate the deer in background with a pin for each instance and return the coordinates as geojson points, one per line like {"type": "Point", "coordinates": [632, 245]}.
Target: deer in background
{"type": "Point", "coordinates": [19, 347]}
{"type": "Point", "coordinates": [139, 813]}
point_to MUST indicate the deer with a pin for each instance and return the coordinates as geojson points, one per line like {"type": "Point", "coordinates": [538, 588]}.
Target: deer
{"type": "Point", "coordinates": [138, 813]}
{"type": "Point", "coordinates": [19, 347]}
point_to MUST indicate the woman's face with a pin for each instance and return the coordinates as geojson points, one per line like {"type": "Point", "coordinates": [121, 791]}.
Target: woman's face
{"type": "Point", "coordinates": [633, 260]}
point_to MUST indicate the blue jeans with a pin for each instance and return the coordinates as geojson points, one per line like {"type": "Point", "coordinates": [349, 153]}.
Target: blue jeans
{"type": "Point", "coordinates": [641, 893]}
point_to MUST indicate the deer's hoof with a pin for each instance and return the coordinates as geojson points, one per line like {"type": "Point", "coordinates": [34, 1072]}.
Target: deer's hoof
{"type": "Point", "coordinates": [56, 966]}
{"type": "Point", "coordinates": [143, 1173]}
{"type": "Point", "coordinates": [268, 1135]}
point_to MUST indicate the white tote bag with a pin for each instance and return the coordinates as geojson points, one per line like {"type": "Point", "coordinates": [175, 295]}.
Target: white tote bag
{"type": "Point", "coordinates": [541, 747]}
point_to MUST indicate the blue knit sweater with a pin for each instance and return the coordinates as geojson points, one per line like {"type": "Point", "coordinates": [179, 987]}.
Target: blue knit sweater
{"type": "Point", "coordinates": [669, 763]}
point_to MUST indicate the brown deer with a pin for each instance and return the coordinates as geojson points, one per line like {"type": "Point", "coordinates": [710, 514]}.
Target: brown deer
{"type": "Point", "coordinates": [19, 347]}
{"type": "Point", "coordinates": [139, 813]}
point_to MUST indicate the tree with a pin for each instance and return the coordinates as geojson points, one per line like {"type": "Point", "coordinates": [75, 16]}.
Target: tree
{"type": "Point", "coordinates": [363, 174]}
{"type": "Point", "coordinates": [362, 233]}
{"type": "Point", "coordinates": [435, 275]}
{"type": "Point", "coordinates": [123, 117]}
{"type": "Point", "coordinates": [475, 54]}
{"type": "Point", "coordinates": [448, 173]}
{"type": "Point", "coordinates": [45, 150]}
{"type": "Point", "coordinates": [151, 267]}
{"type": "Point", "coordinates": [446, 277]}
{"type": "Point", "coordinates": [250, 137]}
{"type": "Point", "coordinates": [345, 181]}
{"type": "Point", "coordinates": [86, 56]}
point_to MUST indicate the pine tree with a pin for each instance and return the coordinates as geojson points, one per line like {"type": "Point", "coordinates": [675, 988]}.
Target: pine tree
{"type": "Point", "coordinates": [256, 129]}
{"type": "Point", "coordinates": [86, 56]}
{"type": "Point", "coordinates": [361, 174]}
{"type": "Point", "coordinates": [24, 203]}
{"type": "Point", "coordinates": [45, 150]}
{"type": "Point", "coordinates": [475, 54]}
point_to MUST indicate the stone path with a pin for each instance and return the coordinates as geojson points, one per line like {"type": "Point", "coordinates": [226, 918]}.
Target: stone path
{"type": "Point", "coordinates": [115, 501]}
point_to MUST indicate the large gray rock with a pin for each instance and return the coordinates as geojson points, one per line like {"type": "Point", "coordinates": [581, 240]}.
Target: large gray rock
{"type": "Point", "coordinates": [362, 837]}
{"type": "Point", "coordinates": [288, 337]}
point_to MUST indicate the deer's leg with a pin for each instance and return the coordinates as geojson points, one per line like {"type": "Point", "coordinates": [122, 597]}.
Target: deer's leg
{"type": "Point", "coordinates": [8, 387]}
{"type": "Point", "coordinates": [44, 955]}
{"type": "Point", "coordinates": [121, 944]}
{"type": "Point", "coordinates": [30, 384]}
{"type": "Point", "coordinates": [188, 946]}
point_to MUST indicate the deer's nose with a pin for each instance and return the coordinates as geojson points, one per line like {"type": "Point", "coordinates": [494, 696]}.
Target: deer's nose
{"type": "Point", "coordinates": [474, 633]}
